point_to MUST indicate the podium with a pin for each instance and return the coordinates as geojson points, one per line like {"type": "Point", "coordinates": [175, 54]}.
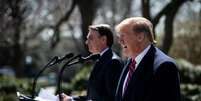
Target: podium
{"type": "Point", "coordinates": [43, 95]}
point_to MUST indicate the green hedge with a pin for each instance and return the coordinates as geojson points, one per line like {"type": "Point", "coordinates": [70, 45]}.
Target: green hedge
{"type": "Point", "coordinates": [10, 85]}
{"type": "Point", "coordinates": [79, 82]}
{"type": "Point", "coordinates": [190, 80]}
{"type": "Point", "coordinates": [189, 73]}
{"type": "Point", "coordinates": [192, 92]}
{"type": "Point", "coordinates": [190, 76]}
{"type": "Point", "coordinates": [190, 83]}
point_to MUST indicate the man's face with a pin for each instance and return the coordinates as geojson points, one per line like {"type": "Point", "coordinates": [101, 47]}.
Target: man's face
{"type": "Point", "coordinates": [128, 41]}
{"type": "Point", "coordinates": [94, 42]}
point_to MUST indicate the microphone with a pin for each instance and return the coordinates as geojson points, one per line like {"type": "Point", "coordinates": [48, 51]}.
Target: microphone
{"type": "Point", "coordinates": [82, 59]}
{"type": "Point", "coordinates": [53, 61]}
{"type": "Point", "coordinates": [67, 56]}
{"type": "Point", "coordinates": [90, 57]}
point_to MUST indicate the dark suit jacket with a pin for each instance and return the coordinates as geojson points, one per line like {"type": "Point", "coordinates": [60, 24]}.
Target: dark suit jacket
{"type": "Point", "coordinates": [155, 79]}
{"type": "Point", "coordinates": [104, 78]}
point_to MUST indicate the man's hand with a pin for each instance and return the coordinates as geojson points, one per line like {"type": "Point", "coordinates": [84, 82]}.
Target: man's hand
{"type": "Point", "coordinates": [66, 97]}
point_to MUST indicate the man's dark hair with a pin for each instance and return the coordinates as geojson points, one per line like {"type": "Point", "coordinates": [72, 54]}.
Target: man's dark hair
{"type": "Point", "coordinates": [104, 30]}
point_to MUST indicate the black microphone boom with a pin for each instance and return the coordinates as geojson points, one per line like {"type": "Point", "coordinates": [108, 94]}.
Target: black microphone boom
{"type": "Point", "coordinates": [50, 63]}
{"type": "Point", "coordinates": [61, 73]}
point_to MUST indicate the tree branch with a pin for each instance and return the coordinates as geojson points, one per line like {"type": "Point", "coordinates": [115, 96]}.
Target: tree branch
{"type": "Point", "coordinates": [56, 35]}
{"type": "Point", "coordinates": [165, 10]}
{"type": "Point", "coordinates": [169, 21]}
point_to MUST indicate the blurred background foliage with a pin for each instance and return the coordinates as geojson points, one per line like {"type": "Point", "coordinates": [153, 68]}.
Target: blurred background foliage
{"type": "Point", "coordinates": [34, 31]}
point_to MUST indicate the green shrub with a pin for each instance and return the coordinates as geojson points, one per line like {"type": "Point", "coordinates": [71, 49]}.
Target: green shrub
{"type": "Point", "coordinates": [188, 72]}
{"type": "Point", "coordinates": [191, 80]}
{"type": "Point", "coordinates": [190, 83]}
{"type": "Point", "coordinates": [10, 85]}
{"type": "Point", "coordinates": [191, 91]}
{"type": "Point", "coordinates": [79, 82]}
{"type": "Point", "coordinates": [8, 97]}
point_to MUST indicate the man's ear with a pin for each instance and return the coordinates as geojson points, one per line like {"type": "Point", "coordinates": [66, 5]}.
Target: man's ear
{"type": "Point", "coordinates": [104, 39]}
{"type": "Point", "coordinates": [140, 37]}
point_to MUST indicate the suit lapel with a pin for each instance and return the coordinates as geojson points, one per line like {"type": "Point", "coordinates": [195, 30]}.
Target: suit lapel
{"type": "Point", "coordinates": [95, 75]}
{"type": "Point", "coordinates": [106, 56]}
{"type": "Point", "coordinates": [100, 64]}
{"type": "Point", "coordinates": [121, 81]}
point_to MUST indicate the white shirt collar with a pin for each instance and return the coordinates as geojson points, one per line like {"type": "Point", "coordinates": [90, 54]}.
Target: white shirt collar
{"type": "Point", "coordinates": [138, 59]}
{"type": "Point", "coordinates": [104, 51]}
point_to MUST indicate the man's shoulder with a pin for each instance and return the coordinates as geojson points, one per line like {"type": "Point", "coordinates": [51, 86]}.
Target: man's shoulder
{"type": "Point", "coordinates": [114, 59]}
{"type": "Point", "coordinates": [161, 58]}
{"type": "Point", "coordinates": [115, 56]}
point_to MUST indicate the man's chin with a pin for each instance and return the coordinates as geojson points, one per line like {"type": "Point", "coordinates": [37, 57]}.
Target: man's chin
{"type": "Point", "coordinates": [94, 52]}
{"type": "Point", "coordinates": [125, 51]}
{"type": "Point", "coordinates": [91, 51]}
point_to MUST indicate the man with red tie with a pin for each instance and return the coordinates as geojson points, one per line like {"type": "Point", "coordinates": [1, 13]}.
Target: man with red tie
{"type": "Point", "coordinates": [149, 74]}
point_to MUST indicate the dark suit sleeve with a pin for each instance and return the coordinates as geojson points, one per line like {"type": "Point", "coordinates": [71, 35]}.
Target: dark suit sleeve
{"type": "Point", "coordinates": [112, 77]}
{"type": "Point", "coordinates": [166, 86]}
{"type": "Point", "coordinates": [80, 98]}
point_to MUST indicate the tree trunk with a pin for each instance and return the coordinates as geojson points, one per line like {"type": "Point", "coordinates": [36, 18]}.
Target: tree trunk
{"type": "Point", "coordinates": [87, 9]}
{"type": "Point", "coordinates": [17, 60]}
{"type": "Point", "coordinates": [146, 9]}
{"type": "Point", "coordinates": [168, 37]}
{"type": "Point", "coordinates": [169, 21]}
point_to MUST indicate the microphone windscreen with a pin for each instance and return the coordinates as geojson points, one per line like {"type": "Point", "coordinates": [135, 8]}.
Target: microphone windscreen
{"type": "Point", "coordinates": [69, 55]}
{"type": "Point", "coordinates": [91, 57]}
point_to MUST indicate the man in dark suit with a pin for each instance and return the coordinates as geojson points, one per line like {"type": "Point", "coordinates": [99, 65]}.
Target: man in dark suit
{"type": "Point", "coordinates": [105, 74]}
{"type": "Point", "coordinates": [149, 74]}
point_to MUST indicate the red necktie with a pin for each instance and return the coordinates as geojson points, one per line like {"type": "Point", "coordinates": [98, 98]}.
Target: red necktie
{"type": "Point", "coordinates": [130, 72]}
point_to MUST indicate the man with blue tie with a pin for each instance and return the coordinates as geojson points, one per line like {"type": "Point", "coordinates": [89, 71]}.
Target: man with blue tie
{"type": "Point", "coordinates": [149, 74]}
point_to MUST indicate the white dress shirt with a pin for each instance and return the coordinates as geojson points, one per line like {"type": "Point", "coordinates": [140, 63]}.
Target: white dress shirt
{"type": "Point", "coordinates": [104, 51]}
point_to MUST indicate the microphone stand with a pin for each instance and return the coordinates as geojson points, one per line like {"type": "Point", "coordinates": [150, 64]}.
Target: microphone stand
{"type": "Point", "coordinates": [50, 63]}
{"type": "Point", "coordinates": [61, 73]}
{"type": "Point", "coordinates": [69, 63]}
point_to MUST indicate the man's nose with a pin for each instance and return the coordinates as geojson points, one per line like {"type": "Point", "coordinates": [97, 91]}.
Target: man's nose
{"type": "Point", "coordinates": [86, 42]}
{"type": "Point", "coordinates": [120, 40]}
